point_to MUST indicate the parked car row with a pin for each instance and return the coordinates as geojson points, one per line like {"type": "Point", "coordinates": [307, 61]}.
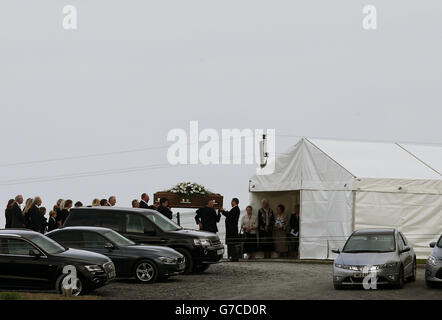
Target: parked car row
{"type": "Point", "coordinates": [104, 243]}
{"type": "Point", "coordinates": [386, 254]}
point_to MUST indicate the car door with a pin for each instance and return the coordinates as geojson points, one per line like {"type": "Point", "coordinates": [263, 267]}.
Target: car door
{"type": "Point", "coordinates": [140, 230]}
{"type": "Point", "coordinates": [406, 257]}
{"type": "Point", "coordinates": [5, 267]}
{"type": "Point", "coordinates": [96, 242]}
{"type": "Point", "coordinates": [23, 270]}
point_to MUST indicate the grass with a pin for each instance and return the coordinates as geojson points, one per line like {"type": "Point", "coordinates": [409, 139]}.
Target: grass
{"type": "Point", "coordinates": [42, 296]}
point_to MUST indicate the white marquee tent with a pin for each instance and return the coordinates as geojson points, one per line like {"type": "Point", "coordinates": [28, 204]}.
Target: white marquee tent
{"type": "Point", "coordinates": [342, 186]}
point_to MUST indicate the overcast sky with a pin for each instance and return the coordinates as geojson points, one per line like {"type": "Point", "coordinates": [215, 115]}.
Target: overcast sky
{"type": "Point", "coordinates": [133, 70]}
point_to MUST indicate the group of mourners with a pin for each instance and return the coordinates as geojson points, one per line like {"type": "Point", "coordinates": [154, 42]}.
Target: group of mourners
{"type": "Point", "coordinates": [267, 231]}
{"type": "Point", "coordinates": [33, 215]}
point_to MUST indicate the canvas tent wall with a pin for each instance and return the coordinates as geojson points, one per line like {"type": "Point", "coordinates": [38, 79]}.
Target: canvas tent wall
{"type": "Point", "coordinates": [347, 185]}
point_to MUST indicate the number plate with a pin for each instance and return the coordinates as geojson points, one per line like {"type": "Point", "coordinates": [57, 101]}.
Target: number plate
{"type": "Point", "coordinates": [360, 275]}
{"type": "Point", "coordinates": [220, 252]}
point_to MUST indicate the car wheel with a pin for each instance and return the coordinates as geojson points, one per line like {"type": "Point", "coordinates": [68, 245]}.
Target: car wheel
{"type": "Point", "coordinates": [80, 287]}
{"type": "Point", "coordinates": [412, 277]}
{"type": "Point", "coordinates": [187, 259]}
{"type": "Point", "coordinates": [201, 267]}
{"type": "Point", "coordinates": [146, 271]}
{"type": "Point", "coordinates": [338, 286]}
{"type": "Point", "coordinates": [400, 281]}
{"type": "Point", "coordinates": [430, 284]}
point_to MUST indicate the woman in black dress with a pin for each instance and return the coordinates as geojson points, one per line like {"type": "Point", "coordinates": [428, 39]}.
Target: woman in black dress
{"type": "Point", "coordinates": [8, 213]}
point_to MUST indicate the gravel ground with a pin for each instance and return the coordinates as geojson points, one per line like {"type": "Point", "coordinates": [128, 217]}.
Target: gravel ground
{"type": "Point", "coordinates": [261, 280]}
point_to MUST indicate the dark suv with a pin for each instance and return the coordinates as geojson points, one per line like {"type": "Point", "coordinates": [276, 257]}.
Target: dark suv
{"type": "Point", "coordinates": [145, 226]}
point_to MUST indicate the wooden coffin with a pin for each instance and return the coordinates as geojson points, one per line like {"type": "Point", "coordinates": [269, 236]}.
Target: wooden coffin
{"type": "Point", "coordinates": [185, 201]}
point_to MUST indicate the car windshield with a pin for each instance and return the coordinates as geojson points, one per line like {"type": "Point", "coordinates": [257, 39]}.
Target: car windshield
{"type": "Point", "coordinates": [370, 243]}
{"type": "Point", "coordinates": [163, 222]}
{"type": "Point", "coordinates": [118, 239]}
{"type": "Point", "coordinates": [46, 244]}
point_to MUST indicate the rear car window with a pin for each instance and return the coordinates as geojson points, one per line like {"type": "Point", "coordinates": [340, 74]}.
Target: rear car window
{"type": "Point", "coordinates": [98, 218]}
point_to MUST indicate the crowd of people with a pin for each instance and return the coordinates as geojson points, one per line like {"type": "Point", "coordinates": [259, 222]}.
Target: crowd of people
{"type": "Point", "coordinates": [267, 231]}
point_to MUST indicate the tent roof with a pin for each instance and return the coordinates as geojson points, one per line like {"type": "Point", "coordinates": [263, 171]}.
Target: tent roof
{"type": "Point", "coordinates": [319, 164]}
{"type": "Point", "coordinates": [382, 159]}
{"type": "Point", "coordinates": [430, 154]}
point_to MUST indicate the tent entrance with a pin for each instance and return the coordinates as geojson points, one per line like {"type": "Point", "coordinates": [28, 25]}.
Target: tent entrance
{"type": "Point", "coordinates": [288, 242]}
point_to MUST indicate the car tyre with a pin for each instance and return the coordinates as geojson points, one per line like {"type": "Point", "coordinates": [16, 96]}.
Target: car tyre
{"type": "Point", "coordinates": [188, 260]}
{"type": "Point", "coordinates": [430, 284]}
{"type": "Point", "coordinates": [146, 271]}
{"type": "Point", "coordinates": [201, 268]}
{"type": "Point", "coordinates": [400, 280]}
{"type": "Point", "coordinates": [412, 278]}
{"type": "Point", "coordinates": [338, 286]}
{"type": "Point", "coordinates": [81, 287]}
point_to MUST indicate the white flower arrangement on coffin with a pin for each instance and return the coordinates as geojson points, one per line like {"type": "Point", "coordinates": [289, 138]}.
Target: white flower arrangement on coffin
{"type": "Point", "coordinates": [189, 189]}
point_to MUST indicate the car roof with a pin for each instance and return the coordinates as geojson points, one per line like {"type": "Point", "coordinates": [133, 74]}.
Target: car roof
{"type": "Point", "coordinates": [375, 231]}
{"type": "Point", "coordinates": [24, 233]}
{"type": "Point", "coordinates": [120, 209]}
{"type": "Point", "coordinates": [84, 228]}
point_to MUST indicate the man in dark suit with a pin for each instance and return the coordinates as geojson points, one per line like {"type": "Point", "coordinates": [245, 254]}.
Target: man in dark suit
{"type": "Point", "coordinates": [294, 229]}
{"type": "Point", "coordinates": [164, 208]}
{"type": "Point", "coordinates": [18, 219]}
{"type": "Point", "coordinates": [35, 215]}
{"type": "Point", "coordinates": [207, 218]}
{"type": "Point", "coordinates": [232, 235]}
{"type": "Point", "coordinates": [144, 202]}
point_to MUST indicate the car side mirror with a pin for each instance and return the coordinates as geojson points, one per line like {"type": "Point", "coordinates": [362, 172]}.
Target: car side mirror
{"type": "Point", "coordinates": [109, 246]}
{"type": "Point", "coordinates": [336, 250]}
{"type": "Point", "coordinates": [35, 253]}
{"type": "Point", "coordinates": [432, 244]}
{"type": "Point", "coordinates": [405, 249]}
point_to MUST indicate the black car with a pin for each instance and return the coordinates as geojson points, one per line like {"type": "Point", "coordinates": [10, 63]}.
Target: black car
{"type": "Point", "coordinates": [29, 260]}
{"type": "Point", "coordinates": [199, 248]}
{"type": "Point", "coordinates": [144, 263]}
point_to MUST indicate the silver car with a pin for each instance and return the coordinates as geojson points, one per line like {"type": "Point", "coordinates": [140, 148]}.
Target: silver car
{"type": "Point", "coordinates": [374, 256]}
{"type": "Point", "coordinates": [433, 270]}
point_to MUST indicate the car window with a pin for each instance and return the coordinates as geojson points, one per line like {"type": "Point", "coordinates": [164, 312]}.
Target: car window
{"type": "Point", "coordinates": [3, 246]}
{"type": "Point", "coordinates": [370, 243]}
{"type": "Point", "coordinates": [136, 223]}
{"type": "Point", "coordinates": [93, 240]}
{"type": "Point", "coordinates": [110, 220]}
{"type": "Point", "coordinates": [70, 239]}
{"type": "Point", "coordinates": [400, 243]}
{"type": "Point", "coordinates": [163, 222]}
{"type": "Point", "coordinates": [46, 244]}
{"type": "Point", "coordinates": [118, 239]}
{"type": "Point", "coordinates": [18, 247]}
{"type": "Point", "coordinates": [82, 218]}
{"type": "Point", "coordinates": [440, 242]}
{"type": "Point", "coordinates": [404, 240]}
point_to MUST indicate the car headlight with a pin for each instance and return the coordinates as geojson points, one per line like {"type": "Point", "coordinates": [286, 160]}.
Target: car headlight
{"type": "Point", "coordinates": [202, 242]}
{"type": "Point", "coordinates": [389, 265]}
{"type": "Point", "coordinates": [432, 260]}
{"type": "Point", "coordinates": [168, 260]}
{"type": "Point", "coordinates": [93, 268]}
{"type": "Point", "coordinates": [342, 266]}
